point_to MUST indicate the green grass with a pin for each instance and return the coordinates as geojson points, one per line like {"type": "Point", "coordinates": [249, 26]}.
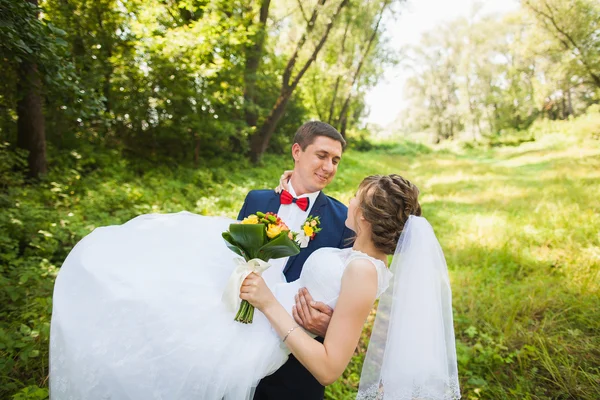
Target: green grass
{"type": "Point", "coordinates": [519, 226]}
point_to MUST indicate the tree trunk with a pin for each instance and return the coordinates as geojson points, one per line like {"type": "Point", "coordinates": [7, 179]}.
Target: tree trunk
{"type": "Point", "coordinates": [106, 85]}
{"type": "Point", "coordinates": [339, 77]}
{"type": "Point", "coordinates": [570, 102]}
{"type": "Point", "coordinates": [31, 127]}
{"type": "Point", "coordinates": [440, 132]}
{"type": "Point", "coordinates": [332, 106]}
{"type": "Point", "coordinates": [342, 120]}
{"type": "Point", "coordinates": [196, 149]}
{"type": "Point", "coordinates": [107, 45]}
{"type": "Point", "coordinates": [344, 124]}
{"type": "Point", "coordinates": [260, 140]}
{"type": "Point", "coordinates": [313, 89]}
{"type": "Point", "coordinates": [253, 56]}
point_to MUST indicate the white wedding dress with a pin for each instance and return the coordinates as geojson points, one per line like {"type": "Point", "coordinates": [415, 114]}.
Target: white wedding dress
{"type": "Point", "coordinates": [137, 313]}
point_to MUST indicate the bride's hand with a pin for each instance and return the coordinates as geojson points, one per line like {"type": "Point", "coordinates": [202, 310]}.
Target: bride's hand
{"type": "Point", "coordinates": [283, 181]}
{"type": "Point", "coordinates": [256, 292]}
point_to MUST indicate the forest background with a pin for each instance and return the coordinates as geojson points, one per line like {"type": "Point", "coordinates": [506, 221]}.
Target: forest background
{"type": "Point", "coordinates": [110, 109]}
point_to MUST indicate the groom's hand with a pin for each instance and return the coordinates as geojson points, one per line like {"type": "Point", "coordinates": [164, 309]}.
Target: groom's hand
{"type": "Point", "coordinates": [313, 316]}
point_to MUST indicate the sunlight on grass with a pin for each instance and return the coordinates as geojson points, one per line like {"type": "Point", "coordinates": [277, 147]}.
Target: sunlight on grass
{"type": "Point", "coordinates": [519, 227]}
{"type": "Point", "coordinates": [542, 156]}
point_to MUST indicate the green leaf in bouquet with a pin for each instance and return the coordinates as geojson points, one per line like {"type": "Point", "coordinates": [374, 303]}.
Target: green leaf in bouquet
{"type": "Point", "coordinates": [249, 237]}
{"type": "Point", "coordinates": [281, 246]}
{"type": "Point", "coordinates": [233, 246]}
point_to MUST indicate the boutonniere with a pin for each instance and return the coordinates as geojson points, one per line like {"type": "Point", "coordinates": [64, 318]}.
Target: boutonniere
{"type": "Point", "coordinates": [309, 230]}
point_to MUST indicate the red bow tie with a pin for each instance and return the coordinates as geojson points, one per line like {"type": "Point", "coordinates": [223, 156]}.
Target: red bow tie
{"type": "Point", "coordinates": [287, 198]}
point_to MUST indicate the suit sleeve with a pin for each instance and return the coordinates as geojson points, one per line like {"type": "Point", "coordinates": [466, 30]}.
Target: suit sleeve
{"type": "Point", "coordinates": [347, 240]}
{"type": "Point", "coordinates": [243, 211]}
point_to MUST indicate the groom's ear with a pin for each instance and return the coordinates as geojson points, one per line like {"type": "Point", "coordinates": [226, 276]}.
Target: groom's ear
{"type": "Point", "coordinates": [296, 150]}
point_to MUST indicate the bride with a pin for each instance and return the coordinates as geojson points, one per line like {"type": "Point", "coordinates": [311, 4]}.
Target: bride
{"type": "Point", "coordinates": [137, 311]}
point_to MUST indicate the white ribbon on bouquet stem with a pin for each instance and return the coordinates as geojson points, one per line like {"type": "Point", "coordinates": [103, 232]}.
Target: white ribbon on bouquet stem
{"type": "Point", "coordinates": [231, 295]}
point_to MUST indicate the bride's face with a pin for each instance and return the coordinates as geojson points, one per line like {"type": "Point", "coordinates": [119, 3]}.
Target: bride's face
{"type": "Point", "coordinates": [354, 212]}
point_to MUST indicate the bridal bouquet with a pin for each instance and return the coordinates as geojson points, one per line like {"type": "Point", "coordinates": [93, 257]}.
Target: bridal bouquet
{"type": "Point", "coordinates": [258, 238]}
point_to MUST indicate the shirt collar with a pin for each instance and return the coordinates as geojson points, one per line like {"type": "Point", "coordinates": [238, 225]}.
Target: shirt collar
{"type": "Point", "coordinates": [311, 196]}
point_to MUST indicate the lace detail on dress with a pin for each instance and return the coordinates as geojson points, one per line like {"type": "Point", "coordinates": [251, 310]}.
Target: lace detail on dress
{"type": "Point", "coordinates": [438, 390]}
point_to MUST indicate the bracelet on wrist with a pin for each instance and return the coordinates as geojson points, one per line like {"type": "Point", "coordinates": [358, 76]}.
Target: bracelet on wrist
{"type": "Point", "coordinates": [288, 332]}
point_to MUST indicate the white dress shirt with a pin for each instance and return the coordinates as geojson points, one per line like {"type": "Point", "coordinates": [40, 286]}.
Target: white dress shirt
{"type": "Point", "coordinates": [294, 218]}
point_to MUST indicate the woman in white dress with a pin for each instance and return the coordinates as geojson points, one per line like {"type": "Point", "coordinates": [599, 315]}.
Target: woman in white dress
{"type": "Point", "coordinates": [138, 311]}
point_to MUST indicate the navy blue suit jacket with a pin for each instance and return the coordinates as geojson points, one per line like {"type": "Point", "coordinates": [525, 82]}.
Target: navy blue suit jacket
{"type": "Point", "coordinates": [332, 213]}
{"type": "Point", "coordinates": [292, 381]}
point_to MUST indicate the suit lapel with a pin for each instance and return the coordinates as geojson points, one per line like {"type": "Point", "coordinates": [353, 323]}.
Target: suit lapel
{"type": "Point", "coordinates": [273, 203]}
{"type": "Point", "coordinates": [320, 203]}
{"type": "Point", "coordinates": [316, 211]}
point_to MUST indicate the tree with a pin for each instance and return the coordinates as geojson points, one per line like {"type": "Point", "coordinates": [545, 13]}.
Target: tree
{"type": "Point", "coordinates": [24, 35]}
{"type": "Point", "coordinates": [490, 75]}
{"type": "Point", "coordinates": [96, 37]}
{"type": "Point", "coordinates": [260, 140]}
{"type": "Point", "coordinates": [31, 129]}
{"type": "Point", "coordinates": [254, 53]}
{"type": "Point", "coordinates": [343, 116]}
{"type": "Point", "coordinates": [434, 84]}
{"type": "Point", "coordinates": [575, 25]}
{"type": "Point", "coordinates": [345, 70]}
{"type": "Point", "coordinates": [191, 79]}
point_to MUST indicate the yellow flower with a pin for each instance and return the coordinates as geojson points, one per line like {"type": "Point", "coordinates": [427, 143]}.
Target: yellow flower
{"type": "Point", "coordinates": [251, 219]}
{"type": "Point", "coordinates": [273, 230]}
{"type": "Point", "coordinates": [308, 230]}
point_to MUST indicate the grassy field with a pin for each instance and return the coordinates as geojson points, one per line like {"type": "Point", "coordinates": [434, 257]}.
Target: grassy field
{"type": "Point", "coordinates": [519, 226]}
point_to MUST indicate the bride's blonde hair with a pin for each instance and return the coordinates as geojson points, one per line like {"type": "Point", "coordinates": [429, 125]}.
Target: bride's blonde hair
{"type": "Point", "coordinates": [386, 202]}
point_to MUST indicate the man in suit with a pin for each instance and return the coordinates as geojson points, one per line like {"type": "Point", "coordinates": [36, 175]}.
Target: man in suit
{"type": "Point", "coordinates": [317, 151]}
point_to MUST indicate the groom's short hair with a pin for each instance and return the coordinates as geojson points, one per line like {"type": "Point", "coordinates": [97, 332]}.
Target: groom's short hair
{"type": "Point", "coordinates": [307, 133]}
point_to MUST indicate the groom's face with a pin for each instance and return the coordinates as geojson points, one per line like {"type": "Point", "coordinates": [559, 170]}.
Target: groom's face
{"type": "Point", "coordinates": [316, 166]}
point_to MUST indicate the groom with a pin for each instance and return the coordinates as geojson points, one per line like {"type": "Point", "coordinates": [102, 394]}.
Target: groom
{"type": "Point", "coordinates": [317, 151]}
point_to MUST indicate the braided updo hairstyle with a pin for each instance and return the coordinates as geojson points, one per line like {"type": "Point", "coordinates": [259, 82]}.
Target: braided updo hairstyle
{"type": "Point", "coordinates": [386, 202]}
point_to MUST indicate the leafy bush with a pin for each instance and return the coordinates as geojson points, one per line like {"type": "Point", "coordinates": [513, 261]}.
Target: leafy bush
{"type": "Point", "coordinates": [41, 222]}
{"type": "Point", "coordinates": [393, 147]}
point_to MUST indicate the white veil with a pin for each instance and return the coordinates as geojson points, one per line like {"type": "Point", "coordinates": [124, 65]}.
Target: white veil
{"type": "Point", "coordinates": [412, 353]}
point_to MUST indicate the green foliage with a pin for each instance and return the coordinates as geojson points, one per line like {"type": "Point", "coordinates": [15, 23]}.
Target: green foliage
{"type": "Point", "coordinates": [490, 76]}
{"type": "Point", "coordinates": [572, 25]}
{"type": "Point", "coordinates": [398, 146]}
{"type": "Point", "coordinates": [330, 81]}
{"type": "Point", "coordinates": [167, 80]}
{"type": "Point", "coordinates": [25, 37]}
{"type": "Point", "coordinates": [31, 393]}
{"type": "Point", "coordinates": [550, 133]}
{"type": "Point", "coordinates": [40, 224]}
{"type": "Point", "coordinates": [510, 137]}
